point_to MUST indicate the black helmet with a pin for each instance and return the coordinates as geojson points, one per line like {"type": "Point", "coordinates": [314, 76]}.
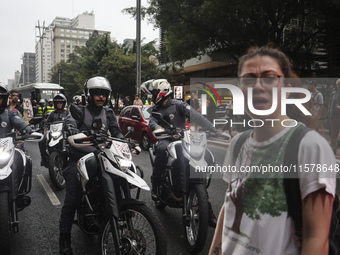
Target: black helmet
{"type": "Point", "coordinates": [97, 83]}
{"type": "Point", "coordinates": [59, 98]}
{"type": "Point", "coordinates": [4, 95]}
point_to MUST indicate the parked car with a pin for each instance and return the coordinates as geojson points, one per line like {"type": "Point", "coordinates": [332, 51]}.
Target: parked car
{"type": "Point", "coordinates": [138, 117]}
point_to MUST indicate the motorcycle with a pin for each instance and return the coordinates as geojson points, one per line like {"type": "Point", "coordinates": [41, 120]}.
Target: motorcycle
{"type": "Point", "coordinates": [124, 225]}
{"type": "Point", "coordinates": [15, 184]}
{"type": "Point", "coordinates": [57, 153]}
{"type": "Point", "coordinates": [181, 186]}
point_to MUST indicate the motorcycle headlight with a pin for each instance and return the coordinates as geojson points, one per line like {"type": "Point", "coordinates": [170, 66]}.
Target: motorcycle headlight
{"type": "Point", "coordinates": [123, 164]}
{"type": "Point", "coordinates": [196, 151]}
{"type": "Point", "coordinates": [196, 144]}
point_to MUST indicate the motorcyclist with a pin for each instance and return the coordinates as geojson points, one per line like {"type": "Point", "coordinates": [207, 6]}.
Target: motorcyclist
{"type": "Point", "coordinates": [9, 120]}
{"type": "Point", "coordinates": [97, 91]}
{"type": "Point", "coordinates": [175, 112]}
{"type": "Point", "coordinates": [59, 114]}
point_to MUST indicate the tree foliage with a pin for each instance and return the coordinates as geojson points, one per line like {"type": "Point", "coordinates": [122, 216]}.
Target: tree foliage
{"type": "Point", "coordinates": [228, 28]}
{"type": "Point", "coordinates": [102, 57]}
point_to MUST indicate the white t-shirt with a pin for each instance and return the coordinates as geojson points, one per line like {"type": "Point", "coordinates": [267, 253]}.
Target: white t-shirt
{"type": "Point", "coordinates": [317, 102]}
{"type": "Point", "coordinates": [255, 220]}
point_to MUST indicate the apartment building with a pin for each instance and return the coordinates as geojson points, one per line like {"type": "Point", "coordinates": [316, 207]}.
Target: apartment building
{"type": "Point", "coordinates": [27, 74]}
{"type": "Point", "coordinates": [60, 39]}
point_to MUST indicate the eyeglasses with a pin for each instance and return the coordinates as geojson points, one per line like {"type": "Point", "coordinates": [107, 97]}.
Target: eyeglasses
{"type": "Point", "coordinates": [100, 92]}
{"type": "Point", "coordinates": [271, 81]}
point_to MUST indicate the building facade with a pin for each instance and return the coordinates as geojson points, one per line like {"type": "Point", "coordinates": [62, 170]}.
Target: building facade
{"type": "Point", "coordinates": [60, 39]}
{"type": "Point", "coordinates": [27, 74]}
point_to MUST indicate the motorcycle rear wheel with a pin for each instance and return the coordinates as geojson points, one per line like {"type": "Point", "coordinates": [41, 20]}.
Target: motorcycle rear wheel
{"type": "Point", "coordinates": [5, 224]}
{"type": "Point", "coordinates": [139, 230]}
{"type": "Point", "coordinates": [196, 231]}
{"type": "Point", "coordinates": [55, 169]}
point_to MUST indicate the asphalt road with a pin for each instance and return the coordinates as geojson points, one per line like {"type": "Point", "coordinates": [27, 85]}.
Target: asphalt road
{"type": "Point", "coordinates": [38, 227]}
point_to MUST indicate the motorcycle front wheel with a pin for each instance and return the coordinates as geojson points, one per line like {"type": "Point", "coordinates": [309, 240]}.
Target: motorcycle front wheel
{"type": "Point", "coordinates": [5, 224]}
{"type": "Point", "coordinates": [139, 230]}
{"type": "Point", "coordinates": [55, 169]}
{"type": "Point", "coordinates": [197, 228]}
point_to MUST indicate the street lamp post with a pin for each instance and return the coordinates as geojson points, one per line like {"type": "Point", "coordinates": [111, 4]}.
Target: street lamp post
{"type": "Point", "coordinates": [138, 42]}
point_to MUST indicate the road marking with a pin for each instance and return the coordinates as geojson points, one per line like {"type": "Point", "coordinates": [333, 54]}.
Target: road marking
{"type": "Point", "coordinates": [54, 199]}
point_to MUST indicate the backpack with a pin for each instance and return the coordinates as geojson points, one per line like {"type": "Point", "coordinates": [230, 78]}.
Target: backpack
{"type": "Point", "coordinates": [292, 189]}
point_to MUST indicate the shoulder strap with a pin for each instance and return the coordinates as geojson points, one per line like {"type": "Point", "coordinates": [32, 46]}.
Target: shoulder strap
{"type": "Point", "coordinates": [241, 140]}
{"type": "Point", "coordinates": [315, 94]}
{"type": "Point", "coordinates": [291, 180]}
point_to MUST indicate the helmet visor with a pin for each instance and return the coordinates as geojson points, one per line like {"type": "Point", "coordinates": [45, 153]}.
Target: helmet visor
{"type": "Point", "coordinates": [99, 92]}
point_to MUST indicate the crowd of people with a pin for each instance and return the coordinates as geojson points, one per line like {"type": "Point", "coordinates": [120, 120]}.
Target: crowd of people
{"type": "Point", "coordinates": [254, 215]}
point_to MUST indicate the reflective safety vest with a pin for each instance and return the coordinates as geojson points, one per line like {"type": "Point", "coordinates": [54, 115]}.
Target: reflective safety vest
{"type": "Point", "coordinates": [49, 109]}
{"type": "Point", "coordinates": [40, 111]}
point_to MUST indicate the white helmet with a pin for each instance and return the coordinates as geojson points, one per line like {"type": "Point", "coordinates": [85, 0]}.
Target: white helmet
{"type": "Point", "coordinates": [159, 89]}
{"type": "Point", "coordinates": [42, 101]}
{"type": "Point", "coordinates": [97, 84]}
{"type": "Point", "coordinates": [59, 98]}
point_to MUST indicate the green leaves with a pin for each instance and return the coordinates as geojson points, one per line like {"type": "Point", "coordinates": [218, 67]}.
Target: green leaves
{"type": "Point", "coordinates": [101, 57]}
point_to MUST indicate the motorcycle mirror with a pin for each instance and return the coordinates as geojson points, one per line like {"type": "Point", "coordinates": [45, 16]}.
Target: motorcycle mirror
{"type": "Point", "coordinates": [157, 115]}
{"type": "Point", "coordinates": [131, 130]}
{"type": "Point", "coordinates": [76, 113]}
{"type": "Point", "coordinates": [35, 120]}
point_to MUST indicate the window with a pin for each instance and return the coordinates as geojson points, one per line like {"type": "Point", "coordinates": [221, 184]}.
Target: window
{"type": "Point", "coordinates": [62, 30]}
{"type": "Point", "coordinates": [74, 41]}
{"type": "Point", "coordinates": [62, 46]}
{"type": "Point", "coordinates": [62, 50]}
{"type": "Point", "coordinates": [135, 112]}
{"type": "Point", "coordinates": [68, 46]}
{"type": "Point", "coordinates": [146, 112]}
{"type": "Point", "coordinates": [127, 113]}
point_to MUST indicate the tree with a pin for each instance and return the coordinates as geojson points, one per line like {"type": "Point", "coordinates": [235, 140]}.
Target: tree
{"type": "Point", "coordinates": [101, 57]}
{"type": "Point", "coordinates": [228, 28]}
{"type": "Point", "coordinates": [120, 70]}
{"type": "Point", "coordinates": [69, 73]}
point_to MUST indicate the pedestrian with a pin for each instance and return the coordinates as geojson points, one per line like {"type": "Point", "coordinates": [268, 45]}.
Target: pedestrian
{"type": "Point", "coordinates": [333, 115]}
{"type": "Point", "coordinates": [40, 108]}
{"type": "Point", "coordinates": [193, 102]}
{"type": "Point", "coordinates": [254, 217]}
{"type": "Point", "coordinates": [48, 109]}
{"type": "Point", "coordinates": [317, 100]}
{"type": "Point", "coordinates": [127, 101]}
{"type": "Point", "coordinates": [16, 101]}
{"type": "Point", "coordinates": [229, 117]}
{"type": "Point", "coordinates": [137, 101]}
{"type": "Point", "coordinates": [97, 91]}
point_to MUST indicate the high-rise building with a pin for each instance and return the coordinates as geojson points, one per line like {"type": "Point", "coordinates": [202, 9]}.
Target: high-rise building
{"type": "Point", "coordinates": [60, 39]}
{"type": "Point", "coordinates": [27, 75]}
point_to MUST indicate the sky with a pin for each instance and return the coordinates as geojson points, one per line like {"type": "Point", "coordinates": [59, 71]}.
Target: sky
{"type": "Point", "coordinates": [18, 19]}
